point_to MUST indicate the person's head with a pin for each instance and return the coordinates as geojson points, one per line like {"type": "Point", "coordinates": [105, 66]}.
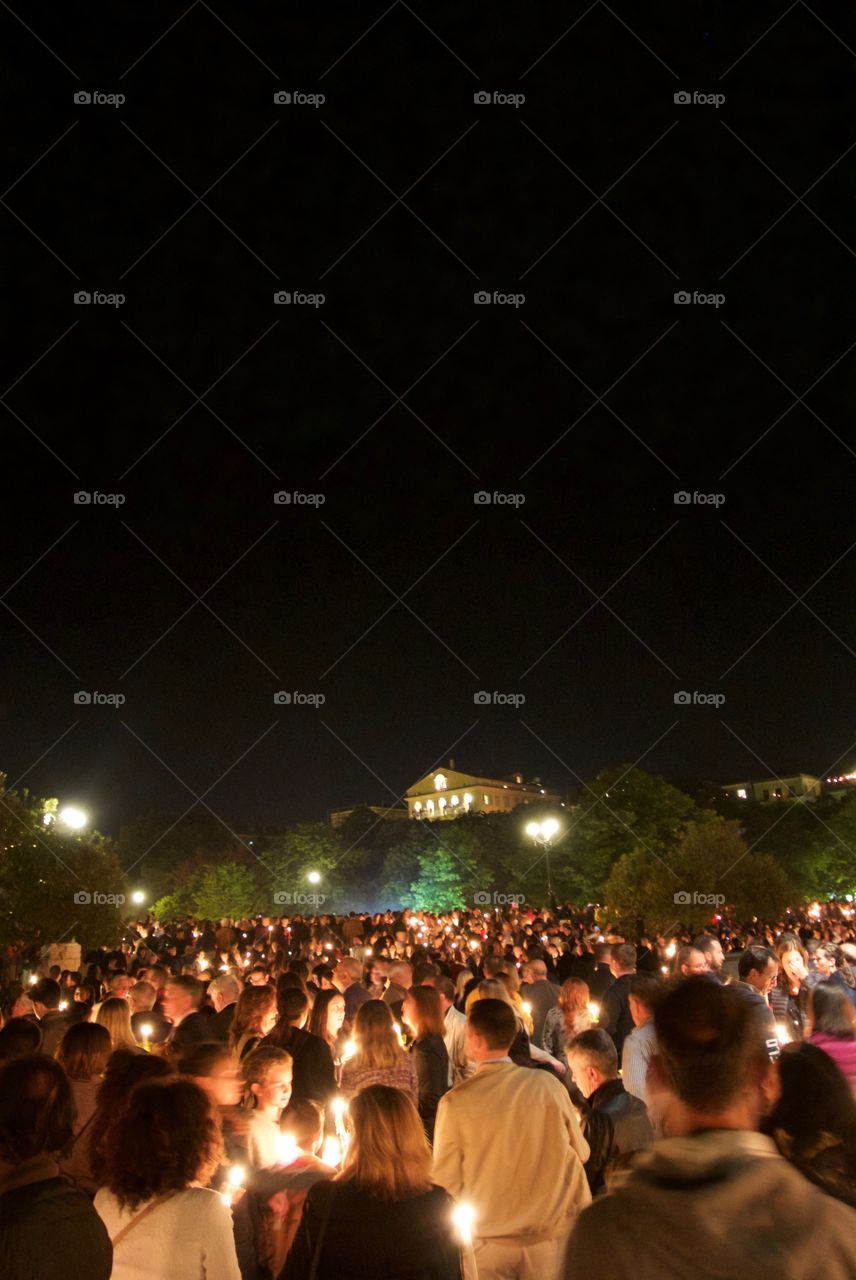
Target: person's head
{"type": "Point", "coordinates": [182, 996]}
{"type": "Point", "coordinates": [794, 969]}
{"type": "Point", "coordinates": [445, 989]}
{"type": "Point", "coordinates": [303, 1120]}
{"type": "Point", "coordinates": [643, 995]}
{"type": "Point", "coordinates": [574, 997]}
{"type": "Point", "coordinates": [36, 1109]}
{"type": "Point", "coordinates": [534, 971]}
{"type": "Point", "coordinates": [374, 1034]}
{"type": "Point", "coordinates": [401, 974]}
{"type": "Point", "coordinates": [267, 1073]}
{"type": "Point", "coordinates": [830, 1012]}
{"type": "Point", "coordinates": [212, 1066]}
{"type": "Point", "coordinates": [622, 959]}
{"type": "Point", "coordinates": [758, 967]}
{"type": "Point", "coordinates": [115, 1015]}
{"type": "Point", "coordinates": [422, 1012]}
{"type": "Point", "coordinates": [826, 959]}
{"type": "Point", "coordinates": [328, 1014]}
{"type": "Point", "coordinates": [491, 1029]}
{"type": "Point", "coordinates": [119, 986]}
{"type": "Point", "coordinates": [712, 1069]}
{"type": "Point", "coordinates": [388, 1156]}
{"type": "Point", "coordinates": [322, 976]}
{"type": "Point", "coordinates": [258, 976]}
{"type": "Point", "coordinates": [255, 1014]}
{"type": "Point", "coordinates": [493, 966]}
{"type": "Point", "coordinates": [690, 962]}
{"type": "Point", "coordinates": [711, 949]}
{"type": "Point", "coordinates": [19, 1037]}
{"type": "Point", "coordinates": [292, 1006]}
{"type": "Point", "coordinates": [593, 1060]}
{"type": "Point", "coordinates": [22, 1007]}
{"type": "Point", "coordinates": [816, 1100]}
{"type": "Point", "coordinates": [425, 974]}
{"type": "Point", "coordinates": [378, 971]}
{"type": "Point", "coordinates": [45, 995]}
{"type": "Point", "coordinates": [224, 991]}
{"type": "Point", "coordinates": [171, 1131]}
{"type": "Point", "coordinates": [141, 997]}
{"type": "Point", "coordinates": [84, 1051]}
{"type": "Point", "coordinates": [346, 973]}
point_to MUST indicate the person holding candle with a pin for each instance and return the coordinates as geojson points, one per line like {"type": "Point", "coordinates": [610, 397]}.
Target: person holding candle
{"type": "Point", "coordinates": [162, 1218]}
{"type": "Point", "coordinates": [267, 1073]}
{"type": "Point", "coordinates": [382, 1215]}
{"type": "Point", "coordinates": [568, 1018]}
{"type": "Point", "coordinates": [423, 1015]}
{"type": "Point", "coordinates": [312, 1057]}
{"type": "Point", "coordinates": [115, 1015]}
{"type": "Point", "coordinates": [254, 1018]}
{"type": "Point", "coordinates": [540, 993]}
{"type": "Point", "coordinates": [379, 1058]}
{"type": "Point", "coordinates": [614, 1009]}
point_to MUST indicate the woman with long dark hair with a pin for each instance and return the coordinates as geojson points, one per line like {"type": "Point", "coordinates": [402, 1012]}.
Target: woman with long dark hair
{"type": "Point", "coordinates": [422, 1012]}
{"type": "Point", "coordinates": [832, 1021]}
{"type": "Point", "coordinates": [314, 1073]}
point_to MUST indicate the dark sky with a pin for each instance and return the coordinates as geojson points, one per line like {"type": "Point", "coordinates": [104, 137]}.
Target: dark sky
{"type": "Point", "coordinates": [597, 397]}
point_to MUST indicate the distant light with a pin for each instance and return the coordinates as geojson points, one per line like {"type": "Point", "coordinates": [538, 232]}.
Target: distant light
{"type": "Point", "coordinates": [550, 827]}
{"type": "Point", "coordinates": [72, 817]}
{"type": "Point", "coordinates": [314, 877]}
{"type": "Point", "coordinates": [138, 897]}
{"type": "Point", "coordinates": [533, 829]}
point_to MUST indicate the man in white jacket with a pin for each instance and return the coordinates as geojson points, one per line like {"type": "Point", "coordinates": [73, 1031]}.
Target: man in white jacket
{"type": "Point", "coordinates": [713, 1199]}
{"type": "Point", "coordinates": [508, 1142]}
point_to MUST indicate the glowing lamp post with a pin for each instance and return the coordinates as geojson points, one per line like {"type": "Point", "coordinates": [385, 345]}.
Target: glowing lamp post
{"type": "Point", "coordinates": [72, 817]}
{"type": "Point", "coordinates": [544, 833]}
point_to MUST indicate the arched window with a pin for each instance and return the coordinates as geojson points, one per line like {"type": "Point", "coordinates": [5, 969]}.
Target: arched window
{"type": "Point", "coordinates": [430, 806]}
{"type": "Point", "coordinates": [440, 782]}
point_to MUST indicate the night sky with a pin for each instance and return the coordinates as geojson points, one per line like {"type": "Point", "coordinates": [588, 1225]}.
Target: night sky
{"type": "Point", "coordinates": [597, 198]}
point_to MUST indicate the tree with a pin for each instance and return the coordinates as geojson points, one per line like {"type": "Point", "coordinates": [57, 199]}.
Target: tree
{"type": "Point", "coordinates": [226, 890]}
{"type": "Point", "coordinates": [439, 886]}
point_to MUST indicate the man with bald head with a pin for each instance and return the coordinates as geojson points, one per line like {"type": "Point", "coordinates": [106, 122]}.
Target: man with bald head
{"type": "Point", "coordinates": [539, 994]}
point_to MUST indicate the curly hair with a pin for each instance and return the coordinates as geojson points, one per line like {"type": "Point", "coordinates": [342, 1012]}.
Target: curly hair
{"type": "Point", "coordinates": [167, 1138]}
{"type": "Point", "coordinates": [125, 1069]}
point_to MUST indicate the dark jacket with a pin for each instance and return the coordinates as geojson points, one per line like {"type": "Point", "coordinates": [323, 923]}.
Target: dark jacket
{"type": "Point", "coordinates": [53, 1027]}
{"type": "Point", "coordinates": [615, 1011]}
{"type": "Point", "coordinates": [763, 1014]}
{"type": "Point", "coordinates": [432, 1068]}
{"type": "Point", "coordinates": [49, 1228]}
{"type": "Point", "coordinates": [615, 1123]}
{"type": "Point", "coordinates": [542, 997]}
{"type": "Point", "coordinates": [191, 1030]}
{"type": "Point", "coordinates": [220, 1025]}
{"type": "Point", "coordinates": [313, 1073]}
{"type": "Point", "coordinates": [366, 1238]}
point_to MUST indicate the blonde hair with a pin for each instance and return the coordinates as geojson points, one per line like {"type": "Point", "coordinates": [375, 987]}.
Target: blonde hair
{"type": "Point", "coordinates": [377, 1046]}
{"type": "Point", "coordinates": [388, 1156]}
{"type": "Point", "coordinates": [115, 1015]}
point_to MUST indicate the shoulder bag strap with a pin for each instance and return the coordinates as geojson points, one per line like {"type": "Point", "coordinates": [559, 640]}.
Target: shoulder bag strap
{"type": "Point", "coordinates": [138, 1217]}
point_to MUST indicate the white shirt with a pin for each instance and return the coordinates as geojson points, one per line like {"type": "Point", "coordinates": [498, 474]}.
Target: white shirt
{"type": "Point", "coordinates": [188, 1237]}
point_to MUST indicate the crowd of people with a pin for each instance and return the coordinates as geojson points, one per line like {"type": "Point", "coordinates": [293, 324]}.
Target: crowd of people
{"type": "Point", "coordinates": [503, 1095]}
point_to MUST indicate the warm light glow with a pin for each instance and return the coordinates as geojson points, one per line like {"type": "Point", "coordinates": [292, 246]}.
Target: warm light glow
{"type": "Point", "coordinates": [287, 1149]}
{"type": "Point", "coordinates": [72, 817]}
{"type": "Point", "coordinates": [63, 1005]}
{"type": "Point", "coordinates": [532, 829]}
{"type": "Point", "coordinates": [783, 1035]}
{"type": "Point", "coordinates": [33, 979]}
{"type": "Point", "coordinates": [138, 897]}
{"type": "Point", "coordinates": [594, 1010]}
{"type": "Point", "coordinates": [440, 782]}
{"type": "Point", "coordinates": [146, 1030]}
{"type": "Point", "coordinates": [314, 877]}
{"type": "Point", "coordinates": [202, 963]}
{"type": "Point", "coordinates": [527, 1008]}
{"type": "Point", "coordinates": [463, 1217]}
{"type": "Point", "coordinates": [670, 950]}
{"type": "Point", "coordinates": [396, 1026]}
{"type": "Point", "coordinates": [349, 1050]}
{"type": "Point", "coordinates": [331, 1152]}
{"type": "Point", "coordinates": [549, 828]}
{"type": "Point", "coordinates": [237, 1173]}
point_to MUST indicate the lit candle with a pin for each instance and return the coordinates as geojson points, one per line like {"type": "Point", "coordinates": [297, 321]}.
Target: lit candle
{"type": "Point", "coordinates": [782, 1034]}
{"type": "Point", "coordinates": [203, 963]}
{"type": "Point", "coordinates": [594, 1010]}
{"type": "Point", "coordinates": [63, 1005]}
{"type": "Point", "coordinates": [349, 1050]}
{"type": "Point", "coordinates": [527, 1008]}
{"type": "Point", "coordinates": [463, 1217]}
{"type": "Point", "coordinates": [33, 979]}
{"type": "Point", "coordinates": [397, 1029]}
{"type": "Point", "coordinates": [331, 1152]}
{"type": "Point", "coordinates": [287, 1150]}
{"type": "Point", "coordinates": [670, 950]}
{"type": "Point", "coordinates": [146, 1033]}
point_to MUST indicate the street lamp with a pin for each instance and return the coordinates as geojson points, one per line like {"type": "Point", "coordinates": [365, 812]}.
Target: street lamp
{"type": "Point", "coordinates": [314, 877]}
{"type": "Point", "coordinates": [138, 897]}
{"type": "Point", "coordinates": [73, 817]}
{"type": "Point", "coordinates": [543, 833]}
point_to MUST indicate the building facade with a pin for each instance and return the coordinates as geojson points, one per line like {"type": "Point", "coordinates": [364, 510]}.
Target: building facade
{"type": "Point", "coordinates": [448, 793]}
{"type": "Point", "coordinates": [797, 786]}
